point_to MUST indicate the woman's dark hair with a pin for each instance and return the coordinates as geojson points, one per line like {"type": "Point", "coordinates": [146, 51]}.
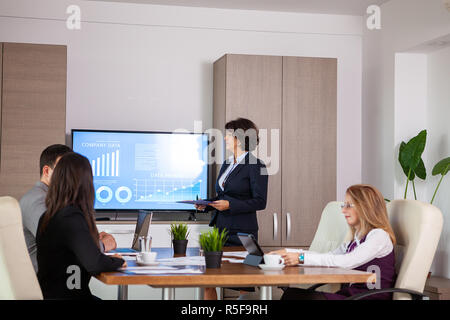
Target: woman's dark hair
{"type": "Point", "coordinates": [72, 185]}
{"type": "Point", "coordinates": [245, 131]}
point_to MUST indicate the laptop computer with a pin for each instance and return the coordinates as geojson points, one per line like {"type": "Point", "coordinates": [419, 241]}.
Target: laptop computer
{"type": "Point", "coordinates": [143, 224]}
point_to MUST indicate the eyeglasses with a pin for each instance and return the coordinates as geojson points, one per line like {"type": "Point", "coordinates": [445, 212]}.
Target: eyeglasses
{"type": "Point", "coordinates": [347, 205]}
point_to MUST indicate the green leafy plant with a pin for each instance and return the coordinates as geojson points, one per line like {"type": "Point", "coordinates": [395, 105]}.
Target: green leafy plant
{"type": "Point", "coordinates": [442, 168]}
{"type": "Point", "coordinates": [213, 240]}
{"type": "Point", "coordinates": [179, 231]}
{"type": "Point", "coordinates": [410, 158]}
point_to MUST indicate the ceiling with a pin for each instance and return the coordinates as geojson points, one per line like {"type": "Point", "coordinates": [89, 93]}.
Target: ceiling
{"type": "Point", "coordinates": [350, 7]}
{"type": "Point", "coordinates": [432, 45]}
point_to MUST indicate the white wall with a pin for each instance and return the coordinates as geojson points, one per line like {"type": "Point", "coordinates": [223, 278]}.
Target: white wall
{"type": "Point", "coordinates": [410, 100]}
{"type": "Point", "coordinates": [390, 114]}
{"type": "Point", "coordinates": [404, 25]}
{"type": "Point", "coordinates": [145, 67]}
{"type": "Point", "coordinates": [438, 115]}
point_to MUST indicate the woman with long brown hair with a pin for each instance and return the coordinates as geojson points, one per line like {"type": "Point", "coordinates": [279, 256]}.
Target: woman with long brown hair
{"type": "Point", "coordinates": [68, 250]}
{"type": "Point", "coordinates": [371, 247]}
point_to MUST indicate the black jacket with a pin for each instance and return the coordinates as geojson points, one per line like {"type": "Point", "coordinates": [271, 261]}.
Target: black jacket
{"type": "Point", "coordinates": [65, 246]}
{"type": "Point", "coordinates": [246, 191]}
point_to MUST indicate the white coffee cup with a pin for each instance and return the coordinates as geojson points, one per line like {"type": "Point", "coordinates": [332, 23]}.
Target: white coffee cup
{"type": "Point", "coordinates": [273, 259]}
{"type": "Point", "coordinates": [146, 257]}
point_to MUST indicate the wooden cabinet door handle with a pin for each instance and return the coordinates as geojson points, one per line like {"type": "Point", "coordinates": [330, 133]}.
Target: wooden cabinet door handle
{"type": "Point", "coordinates": [288, 226]}
{"type": "Point", "coordinates": [275, 226]}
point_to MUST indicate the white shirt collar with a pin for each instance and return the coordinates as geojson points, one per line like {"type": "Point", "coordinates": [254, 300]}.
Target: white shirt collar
{"type": "Point", "coordinates": [238, 159]}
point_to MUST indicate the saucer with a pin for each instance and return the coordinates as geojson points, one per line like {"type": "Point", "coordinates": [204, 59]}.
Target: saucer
{"type": "Point", "coordinates": [271, 268]}
{"type": "Point", "coordinates": [154, 263]}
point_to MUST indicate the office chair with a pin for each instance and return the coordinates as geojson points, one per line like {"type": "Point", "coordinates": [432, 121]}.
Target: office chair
{"type": "Point", "coordinates": [18, 278]}
{"type": "Point", "coordinates": [417, 226]}
{"type": "Point", "coordinates": [331, 232]}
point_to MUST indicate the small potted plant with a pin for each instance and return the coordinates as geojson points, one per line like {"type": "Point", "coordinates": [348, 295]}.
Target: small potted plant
{"type": "Point", "coordinates": [179, 234]}
{"type": "Point", "coordinates": [212, 243]}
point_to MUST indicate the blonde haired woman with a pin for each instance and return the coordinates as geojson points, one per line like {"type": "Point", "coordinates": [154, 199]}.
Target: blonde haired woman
{"type": "Point", "coordinates": [372, 247]}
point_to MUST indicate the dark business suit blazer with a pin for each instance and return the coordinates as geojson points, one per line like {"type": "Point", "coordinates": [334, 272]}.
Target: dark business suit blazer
{"type": "Point", "coordinates": [66, 250]}
{"type": "Point", "coordinates": [246, 191]}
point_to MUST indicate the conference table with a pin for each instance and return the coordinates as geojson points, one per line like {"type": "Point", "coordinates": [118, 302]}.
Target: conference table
{"type": "Point", "coordinates": [229, 275]}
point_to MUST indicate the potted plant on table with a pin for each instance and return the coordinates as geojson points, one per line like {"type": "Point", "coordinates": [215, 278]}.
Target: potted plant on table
{"type": "Point", "coordinates": [212, 243]}
{"type": "Point", "coordinates": [179, 234]}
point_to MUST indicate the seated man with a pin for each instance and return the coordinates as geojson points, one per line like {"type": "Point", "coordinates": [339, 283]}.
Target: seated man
{"type": "Point", "coordinates": [32, 204]}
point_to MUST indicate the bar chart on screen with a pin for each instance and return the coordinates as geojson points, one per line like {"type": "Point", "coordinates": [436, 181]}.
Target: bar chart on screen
{"type": "Point", "coordinates": [106, 165]}
{"type": "Point", "coordinates": [145, 170]}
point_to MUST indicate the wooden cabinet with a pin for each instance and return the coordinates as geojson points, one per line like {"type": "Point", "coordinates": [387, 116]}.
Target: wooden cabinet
{"type": "Point", "coordinates": [309, 145]}
{"type": "Point", "coordinates": [33, 111]}
{"type": "Point", "coordinates": [250, 87]}
{"type": "Point", "coordinates": [297, 97]}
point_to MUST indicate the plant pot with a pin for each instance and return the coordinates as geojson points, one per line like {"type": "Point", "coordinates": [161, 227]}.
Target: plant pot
{"type": "Point", "coordinates": [179, 246]}
{"type": "Point", "coordinates": [213, 259]}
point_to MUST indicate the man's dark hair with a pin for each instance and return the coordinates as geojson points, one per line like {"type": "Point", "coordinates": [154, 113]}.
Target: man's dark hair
{"type": "Point", "coordinates": [50, 154]}
{"type": "Point", "coordinates": [245, 131]}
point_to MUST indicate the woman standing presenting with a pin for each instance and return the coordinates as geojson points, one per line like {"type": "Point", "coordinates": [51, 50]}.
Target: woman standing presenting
{"type": "Point", "coordinates": [241, 186]}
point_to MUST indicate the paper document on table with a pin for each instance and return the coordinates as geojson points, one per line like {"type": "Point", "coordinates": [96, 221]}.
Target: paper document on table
{"type": "Point", "coordinates": [184, 261]}
{"type": "Point", "coordinates": [238, 254]}
{"type": "Point", "coordinates": [231, 260]}
{"type": "Point", "coordinates": [194, 261]}
{"type": "Point", "coordinates": [148, 268]}
{"type": "Point", "coordinates": [176, 271]}
{"type": "Point", "coordinates": [130, 258]}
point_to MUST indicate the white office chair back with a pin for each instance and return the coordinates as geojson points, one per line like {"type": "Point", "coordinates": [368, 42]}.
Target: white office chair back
{"type": "Point", "coordinates": [332, 230]}
{"type": "Point", "coordinates": [18, 278]}
{"type": "Point", "coordinates": [417, 227]}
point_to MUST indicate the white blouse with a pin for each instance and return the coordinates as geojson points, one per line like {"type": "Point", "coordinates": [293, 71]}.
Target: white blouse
{"type": "Point", "coordinates": [378, 244]}
{"type": "Point", "coordinates": [231, 168]}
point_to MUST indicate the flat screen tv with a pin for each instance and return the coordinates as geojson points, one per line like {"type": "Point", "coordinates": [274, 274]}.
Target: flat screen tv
{"type": "Point", "coordinates": [145, 170]}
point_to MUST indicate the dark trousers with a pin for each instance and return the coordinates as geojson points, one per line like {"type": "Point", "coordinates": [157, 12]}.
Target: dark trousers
{"type": "Point", "coordinates": [302, 294]}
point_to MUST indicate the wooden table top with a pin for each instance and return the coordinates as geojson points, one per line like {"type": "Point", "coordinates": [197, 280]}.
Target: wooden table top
{"type": "Point", "coordinates": [234, 275]}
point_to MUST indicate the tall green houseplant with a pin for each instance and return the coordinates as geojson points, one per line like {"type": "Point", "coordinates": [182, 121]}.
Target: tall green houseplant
{"type": "Point", "coordinates": [442, 168]}
{"type": "Point", "coordinates": [410, 158]}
